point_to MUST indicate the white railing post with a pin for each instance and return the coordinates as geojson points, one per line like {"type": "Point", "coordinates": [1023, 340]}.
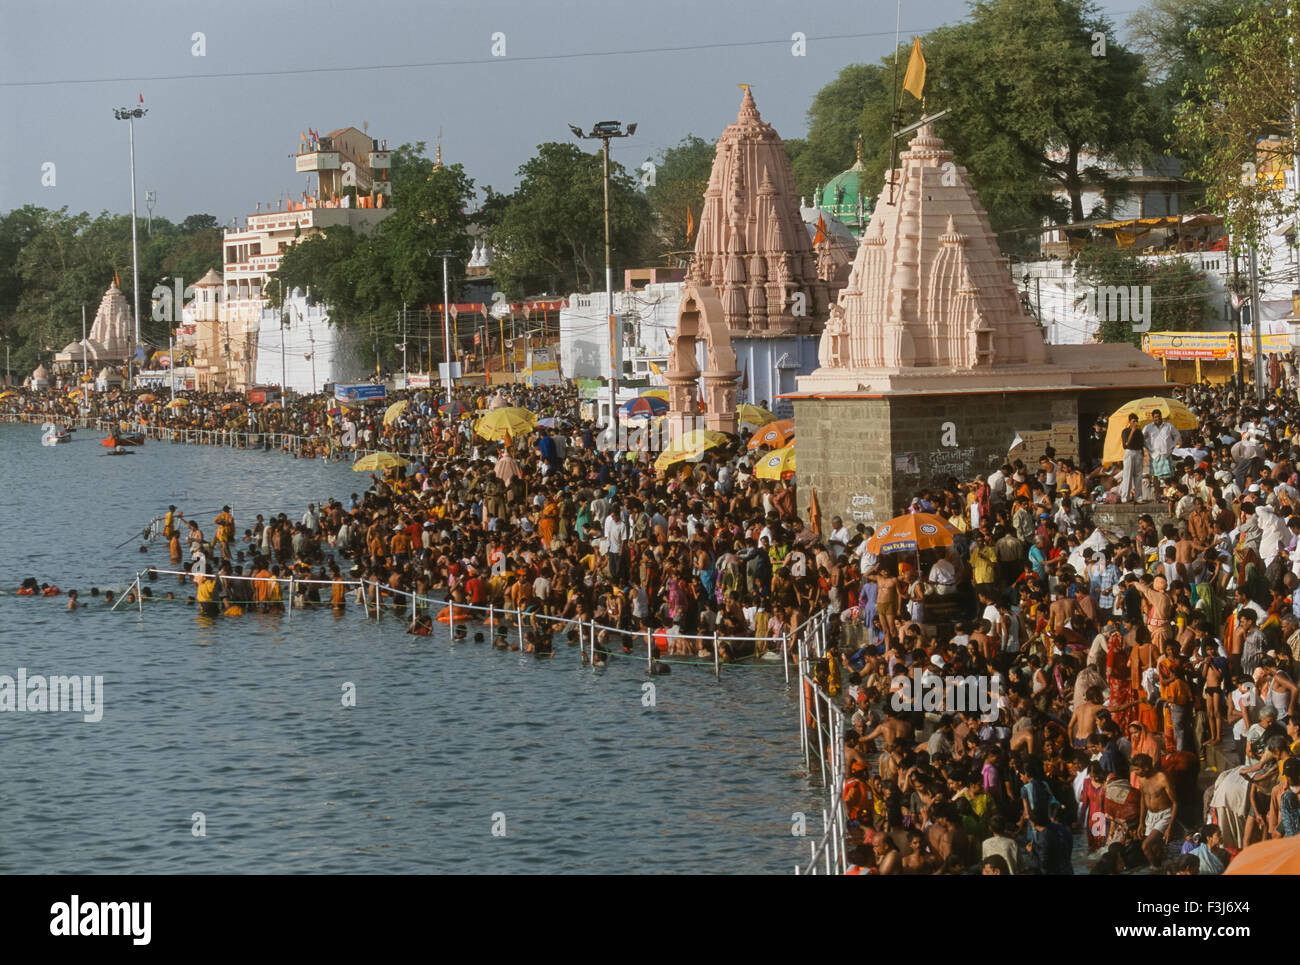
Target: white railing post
{"type": "Point", "coordinates": [649, 651]}
{"type": "Point", "coordinates": [519, 623]}
{"type": "Point", "coordinates": [717, 656]}
{"type": "Point", "coordinates": [290, 616]}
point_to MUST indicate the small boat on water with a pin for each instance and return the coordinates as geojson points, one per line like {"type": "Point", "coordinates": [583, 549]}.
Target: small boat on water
{"type": "Point", "coordinates": [117, 440]}
{"type": "Point", "coordinates": [52, 434]}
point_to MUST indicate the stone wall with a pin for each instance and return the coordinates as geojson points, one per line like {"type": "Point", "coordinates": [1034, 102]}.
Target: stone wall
{"type": "Point", "coordinates": [867, 457]}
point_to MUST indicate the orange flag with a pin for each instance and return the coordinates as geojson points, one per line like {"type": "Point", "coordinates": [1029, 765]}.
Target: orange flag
{"type": "Point", "coordinates": [914, 79]}
{"type": "Point", "coordinates": [821, 231]}
{"type": "Point", "coordinates": [690, 224]}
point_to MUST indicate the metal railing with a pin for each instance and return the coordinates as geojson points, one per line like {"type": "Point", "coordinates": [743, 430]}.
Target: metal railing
{"type": "Point", "coordinates": [822, 726]}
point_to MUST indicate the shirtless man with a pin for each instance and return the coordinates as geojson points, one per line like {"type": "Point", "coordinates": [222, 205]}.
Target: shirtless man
{"type": "Point", "coordinates": [887, 602]}
{"type": "Point", "coordinates": [918, 860]}
{"type": "Point", "coordinates": [1084, 719]}
{"type": "Point", "coordinates": [1157, 810]}
{"type": "Point", "coordinates": [888, 860]}
{"type": "Point", "coordinates": [1160, 612]}
{"type": "Point", "coordinates": [892, 729]}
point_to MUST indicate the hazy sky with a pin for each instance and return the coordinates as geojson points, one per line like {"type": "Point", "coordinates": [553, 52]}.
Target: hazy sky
{"type": "Point", "coordinates": [221, 127]}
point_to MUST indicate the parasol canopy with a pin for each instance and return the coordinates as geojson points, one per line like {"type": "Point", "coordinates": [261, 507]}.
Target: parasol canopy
{"type": "Point", "coordinates": [177, 404]}
{"type": "Point", "coordinates": [643, 407]}
{"type": "Point", "coordinates": [775, 435]}
{"type": "Point", "coordinates": [1171, 410]}
{"type": "Point", "coordinates": [1280, 856]}
{"type": "Point", "coordinates": [776, 464]}
{"type": "Point", "coordinates": [690, 446]}
{"type": "Point", "coordinates": [379, 460]}
{"type": "Point", "coordinates": [507, 468]}
{"type": "Point", "coordinates": [454, 408]}
{"type": "Point", "coordinates": [661, 394]}
{"type": "Point", "coordinates": [509, 421]}
{"type": "Point", "coordinates": [393, 411]}
{"type": "Point", "coordinates": [755, 415]}
{"type": "Point", "coordinates": [148, 397]}
{"type": "Point", "coordinates": [912, 533]}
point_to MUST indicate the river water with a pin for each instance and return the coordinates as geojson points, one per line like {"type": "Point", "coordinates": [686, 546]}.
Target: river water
{"type": "Point", "coordinates": [238, 727]}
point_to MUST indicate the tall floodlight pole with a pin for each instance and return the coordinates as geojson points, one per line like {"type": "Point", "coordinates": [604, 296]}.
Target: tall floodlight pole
{"type": "Point", "coordinates": [447, 382]}
{"type": "Point", "coordinates": [85, 364]}
{"type": "Point", "coordinates": [129, 114]}
{"type": "Point", "coordinates": [604, 131]}
{"type": "Point", "coordinates": [284, 369]}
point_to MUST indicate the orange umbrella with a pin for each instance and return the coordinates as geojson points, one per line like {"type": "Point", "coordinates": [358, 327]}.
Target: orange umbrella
{"type": "Point", "coordinates": [1281, 856]}
{"type": "Point", "coordinates": [912, 533]}
{"type": "Point", "coordinates": [774, 435]}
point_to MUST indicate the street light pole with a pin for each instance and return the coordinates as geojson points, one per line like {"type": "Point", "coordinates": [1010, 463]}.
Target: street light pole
{"type": "Point", "coordinates": [284, 376]}
{"type": "Point", "coordinates": [446, 328]}
{"type": "Point", "coordinates": [604, 131]}
{"type": "Point", "coordinates": [129, 114]}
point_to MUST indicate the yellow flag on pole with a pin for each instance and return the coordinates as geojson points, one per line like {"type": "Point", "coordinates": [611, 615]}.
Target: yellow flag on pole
{"type": "Point", "coordinates": [914, 79]}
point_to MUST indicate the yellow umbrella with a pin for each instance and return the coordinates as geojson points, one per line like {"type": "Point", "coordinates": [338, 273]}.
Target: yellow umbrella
{"type": "Point", "coordinates": [148, 397]}
{"type": "Point", "coordinates": [692, 445]}
{"type": "Point", "coordinates": [393, 411]}
{"type": "Point", "coordinates": [176, 403]}
{"type": "Point", "coordinates": [379, 460]}
{"type": "Point", "coordinates": [656, 393]}
{"type": "Point", "coordinates": [1171, 410]}
{"type": "Point", "coordinates": [755, 415]}
{"type": "Point", "coordinates": [6, 395]}
{"type": "Point", "coordinates": [507, 421]}
{"type": "Point", "coordinates": [776, 464]}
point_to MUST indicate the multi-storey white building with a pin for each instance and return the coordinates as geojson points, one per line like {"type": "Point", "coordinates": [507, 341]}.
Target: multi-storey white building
{"type": "Point", "coordinates": [224, 321]}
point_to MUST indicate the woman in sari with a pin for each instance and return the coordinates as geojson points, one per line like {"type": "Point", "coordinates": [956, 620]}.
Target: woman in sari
{"type": "Point", "coordinates": [547, 522]}
{"type": "Point", "coordinates": [1118, 679]}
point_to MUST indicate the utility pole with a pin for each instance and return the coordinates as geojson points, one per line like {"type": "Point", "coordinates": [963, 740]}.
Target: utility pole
{"type": "Point", "coordinates": [604, 131]}
{"type": "Point", "coordinates": [405, 374]}
{"type": "Point", "coordinates": [129, 114]}
{"type": "Point", "coordinates": [84, 364]}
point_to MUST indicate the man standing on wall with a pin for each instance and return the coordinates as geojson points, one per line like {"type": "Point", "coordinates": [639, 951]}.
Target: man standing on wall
{"type": "Point", "coordinates": [1161, 439]}
{"type": "Point", "coordinates": [1134, 444]}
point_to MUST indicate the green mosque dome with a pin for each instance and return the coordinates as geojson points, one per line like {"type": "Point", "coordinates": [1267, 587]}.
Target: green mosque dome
{"type": "Point", "coordinates": [845, 197]}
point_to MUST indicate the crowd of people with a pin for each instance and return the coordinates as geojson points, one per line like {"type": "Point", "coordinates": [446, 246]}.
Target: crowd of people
{"type": "Point", "coordinates": [1140, 684]}
{"type": "Point", "coordinates": [1137, 688]}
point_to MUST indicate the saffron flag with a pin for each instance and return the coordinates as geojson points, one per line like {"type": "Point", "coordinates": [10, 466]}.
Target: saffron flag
{"type": "Point", "coordinates": [656, 369]}
{"type": "Point", "coordinates": [690, 224]}
{"type": "Point", "coordinates": [141, 98]}
{"type": "Point", "coordinates": [821, 231]}
{"type": "Point", "coordinates": [914, 79]}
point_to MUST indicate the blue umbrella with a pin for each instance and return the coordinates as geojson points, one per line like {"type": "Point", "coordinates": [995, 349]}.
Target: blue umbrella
{"type": "Point", "coordinates": [643, 406]}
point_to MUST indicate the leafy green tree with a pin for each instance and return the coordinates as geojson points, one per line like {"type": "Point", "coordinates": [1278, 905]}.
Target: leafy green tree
{"type": "Point", "coordinates": [681, 176]}
{"type": "Point", "coordinates": [551, 236]}
{"type": "Point", "coordinates": [1171, 35]}
{"type": "Point", "coordinates": [838, 116]}
{"type": "Point", "coordinates": [1179, 293]}
{"type": "Point", "coordinates": [1237, 124]}
{"type": "Point", "coordinates": [1031, 104]}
